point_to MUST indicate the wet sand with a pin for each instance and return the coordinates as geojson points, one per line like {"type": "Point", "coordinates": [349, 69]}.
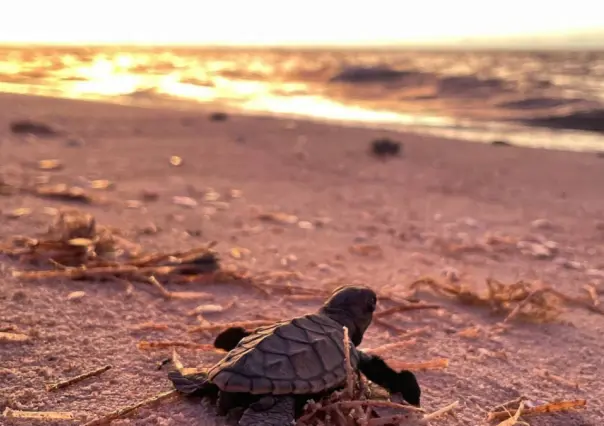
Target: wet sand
{"type": "Point", "coordinates": [440, 193]}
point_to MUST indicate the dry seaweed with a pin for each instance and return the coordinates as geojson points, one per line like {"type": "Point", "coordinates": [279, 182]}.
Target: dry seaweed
{"type": "Point", "coordinates": [550, 407]}
{"type": "Point", "coordinates": [527, 300]}
{"type": "Point", "coordinates": [76, 247]}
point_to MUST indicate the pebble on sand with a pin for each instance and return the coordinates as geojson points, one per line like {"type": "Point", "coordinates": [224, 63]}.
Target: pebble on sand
{"type": "Point", "coordinates": [28, 127]}
{"type": "Point", "coordinates": [385, 147]}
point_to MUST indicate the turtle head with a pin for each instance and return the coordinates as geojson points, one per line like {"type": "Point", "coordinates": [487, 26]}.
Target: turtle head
{"type": "Point", "coordinates": [352, 307]}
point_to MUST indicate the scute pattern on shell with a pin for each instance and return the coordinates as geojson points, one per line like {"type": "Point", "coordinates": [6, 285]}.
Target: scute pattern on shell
{"type": "Point", "coordinates": [301, 356]}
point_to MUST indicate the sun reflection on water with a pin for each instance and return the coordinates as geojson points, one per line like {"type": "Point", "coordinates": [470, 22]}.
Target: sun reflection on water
{"type": "Point", "coordinates": [298, 84]}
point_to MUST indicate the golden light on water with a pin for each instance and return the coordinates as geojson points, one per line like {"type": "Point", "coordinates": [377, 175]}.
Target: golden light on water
{"type": "Point", "coordinates": [280, 22]}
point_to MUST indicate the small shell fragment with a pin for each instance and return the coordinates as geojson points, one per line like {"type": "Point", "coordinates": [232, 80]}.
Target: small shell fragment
{"type": "Point", "coordinates": [80, 242]}
{"type": "Point", "coordinates": [76, 295]}
{"type": "Point", "coordinates": [50, 165]}
{"type": "Point", "coordinates": [304, 224]}
{"type": "Point", "coordinates": [278, 217]}
{"type": "Point", "coordinates": [133, 204]}
{"type": "Point", "coordinates": [101, 184]}
{"type": "Point", "coordinates": [175, 160]}
{"type": "Point", "coordinates": [207, 309]}
{"type": "Point", "coordinates": [20, 212]}
{"type": "Point", "coordinates": [184, 201]}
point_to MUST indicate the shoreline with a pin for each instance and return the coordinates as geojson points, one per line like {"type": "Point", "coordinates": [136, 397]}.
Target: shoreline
{"type": "Point", "coordinates": [447, 209]}
{"type": "Point", "coordinates": [455, 135]}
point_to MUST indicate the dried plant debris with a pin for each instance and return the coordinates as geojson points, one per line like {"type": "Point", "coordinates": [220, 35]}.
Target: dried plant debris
{"type": "Point", "coordinates": [68, 382]}
{"type": "Point", "coordinates": [76, 247]}
{"type": "Point", "coordinates": [526, 300]}
{"type": "Point", "coordinates": [62, 192]}
{"type": "Point", "coordinates": [523, 407]}
{"type": "Point", "coordinates": [122, 412]}
{"type": "Point", "coordinates": [557, 379]}
{"type": "Point", "coordinates": [38, 415]}
{"type": "Point", "coordinates": [7, 336]}
{"type": "Point", "coordinates": [163, 344]}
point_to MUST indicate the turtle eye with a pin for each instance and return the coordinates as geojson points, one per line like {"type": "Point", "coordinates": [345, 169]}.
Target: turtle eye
{"type": "Point", "coordinates": [371, 305]}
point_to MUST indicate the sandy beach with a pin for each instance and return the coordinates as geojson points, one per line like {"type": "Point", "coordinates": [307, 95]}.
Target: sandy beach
{"type": "Point", "coordinates": [456, 211]}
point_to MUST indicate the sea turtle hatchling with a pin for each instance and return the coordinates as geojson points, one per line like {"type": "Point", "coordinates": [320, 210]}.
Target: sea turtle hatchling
{"type": "Point", "coordinates": [274, 370]}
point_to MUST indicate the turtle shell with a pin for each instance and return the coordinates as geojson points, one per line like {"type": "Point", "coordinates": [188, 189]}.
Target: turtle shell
{"type": "Point", "coordinates": [302, 356]}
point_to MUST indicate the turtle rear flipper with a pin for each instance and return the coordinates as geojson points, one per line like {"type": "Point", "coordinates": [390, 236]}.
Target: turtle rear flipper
{"type": "Point", "coordinates": [270, 411]}
{"type": "Point", "coordinates": [192, 384]}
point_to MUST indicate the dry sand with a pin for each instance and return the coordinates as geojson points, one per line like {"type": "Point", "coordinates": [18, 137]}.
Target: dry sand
{"type": "Point", "coordinates": [439, 192]}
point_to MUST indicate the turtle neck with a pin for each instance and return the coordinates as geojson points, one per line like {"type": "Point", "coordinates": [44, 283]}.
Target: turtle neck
{"type": "Point", "coordinates": [345, 318]}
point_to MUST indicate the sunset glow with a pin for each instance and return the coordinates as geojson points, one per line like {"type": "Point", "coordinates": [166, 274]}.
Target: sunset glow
{"type": "Point", "coordinates": [274, 22]}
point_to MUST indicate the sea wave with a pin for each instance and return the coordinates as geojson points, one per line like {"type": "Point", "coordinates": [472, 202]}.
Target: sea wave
{"type": "Point", "coordinates": [529, 89]}
{"type": "Point", "coordinates": [592, 120]}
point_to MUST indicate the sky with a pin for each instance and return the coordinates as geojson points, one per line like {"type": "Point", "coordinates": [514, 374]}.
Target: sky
{"type": "Point", "coordinates": [288, 22]}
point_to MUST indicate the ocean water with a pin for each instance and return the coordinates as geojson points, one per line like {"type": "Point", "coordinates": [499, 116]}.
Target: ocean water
{"type": "Point", "coordinates": [541, 99]}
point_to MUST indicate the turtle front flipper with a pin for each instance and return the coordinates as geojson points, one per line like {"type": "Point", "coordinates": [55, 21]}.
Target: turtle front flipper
{"type": "Point", "coordinates": [270, 411]}
{"type": "Point", "coordinates": [192, 384]}
{"type": "Point", "coordinates": [230, 338]}
{"type": "Point", "coordinates": [403, 382]}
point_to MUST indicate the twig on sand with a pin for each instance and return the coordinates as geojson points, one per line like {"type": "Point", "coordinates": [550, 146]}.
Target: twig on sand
{"type": "Point", "coordinates": [187, 295]}
{"type": "Point", "coordinates": [514, 420]}
{"type": "Point", "coordinates": [434, 364]}
{"type": "Point", "coordinates": [557, 379]}
{"type": "Point", "coordinates": [38, 415]}
{"type": "Point", "coordinates": [348, 365]}
{"type": "Point", "coordinates": [76, 379]}
{"type": "Point", "coordinates": [390, 346]}
{"type": "Point", "coordinates": [108, 418]}
{"type": "Point", "coordinates": [402, 343]}
{"type": "Point", "coordinates": [551, 407]}
{"type": "Point", "coordinates": [522, 304]}
{"type": "Point", "coordinates": [405, 308]}
{"type": "Point", "coordinates": [440, 412]}
{"type": "Point", "coordinates": [177, 363]}
{"type": "Point", "coordinates": [163, 344]}
{"type": "Point", "coordinates": [244, 324]}
{"type": "Point", "coordinates": [508, 404]}
{"type": "Point", "coordinates": [6, 336]}
{"type": "Point", "coordinates": [389, 325]}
